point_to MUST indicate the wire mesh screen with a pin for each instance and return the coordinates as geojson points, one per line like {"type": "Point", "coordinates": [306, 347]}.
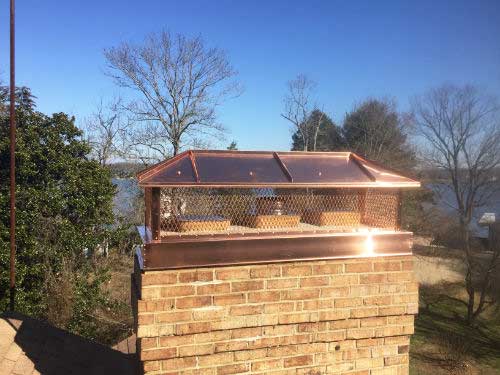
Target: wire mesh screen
{"type": "Point", "coordinates": [191, 210]}
{"type": "Point", "coordinates": [382, 209]}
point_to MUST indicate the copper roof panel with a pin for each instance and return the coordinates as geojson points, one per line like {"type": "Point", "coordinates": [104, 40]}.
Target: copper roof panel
{"type": "Point", "coordinates": [179, 171]}
{"type": "Point", "coordinates": [381, 174]}
{"type": "Point", "coordinates": [234, 168]}
{"type": "Point", "coordinates": [323, 168]}
{"type": "Point", "coordinates": [271, 169]}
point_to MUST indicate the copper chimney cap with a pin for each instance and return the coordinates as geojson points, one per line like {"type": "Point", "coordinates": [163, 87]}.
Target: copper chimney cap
{"type": "Point", "coordinates": [252, 169]}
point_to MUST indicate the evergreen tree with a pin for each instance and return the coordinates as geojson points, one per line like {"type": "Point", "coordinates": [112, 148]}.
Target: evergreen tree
{"type": "Point", "coordinates": [233, 146]}
{"type": "Point", "coordinates": [24, 98]}
{"type": "Point", "coordinates": [329, 137]}
{"type": "Point", "coordinates": [376, 131]}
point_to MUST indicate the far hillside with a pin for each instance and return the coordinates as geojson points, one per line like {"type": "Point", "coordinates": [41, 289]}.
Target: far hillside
{"type": "Point", "coordinates": [125, 169]}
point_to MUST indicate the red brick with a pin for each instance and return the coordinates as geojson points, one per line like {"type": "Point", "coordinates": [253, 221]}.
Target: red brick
{"type": "Point", "coordinates": [358, 267]}
{"type": "Point", "coordinates": [151, 366]}
{"type": "Point", "coordinates": [188, 328]}
{"type": "Point", "coordinates": [387, 266]}
{"type": "Point", "coordinates": [193, 302]}
{"type": "Point", "coordinates": [146, 319]}
{"type": "Point", "coordinates": [172, 317]}
{"type": "Point", "coordinates": [233, 274]}
{"type": "Point", "coordinates": [178, 364]}
{"type": "Point", "coordinates": [348, 302]}
{"type": "Point", "coordinates": [265, 272]}
{"type": "Point", "coordinates": [270, 296]}
{"type": "Point", "coordinates": [174, 341]}
{"type": "Point", "coordinates": [193, 276]}
{"type": "Point", "coordinates": [342, 291]}
{"type": "Point", "coordinates": [212, 289]}
{"type": "Point", "coordinates": [360, 333]}
{"type": "Point", "coordinates": [399, 277]}
{"type": "Point", "coordinates": [159, 278]}
{"type": "Point", "coordinates": [246, 310]}
{"type": "Point", "coordinates": [301, 294]}
{"type": "Point", "coordinates": [296, 270]}
{"type": "Point", "coordinates": [327, 269]}
{"type": "Point", "coordinates": [373, 321]}
{"type": "Point", "coordinates": [246, 332]}
{"type": "Point", "coordinates": [301, 360]}
{"type": "Point", "coordinates": [178, 290]}
{"type": "Point", "coordinates": [282, 283]}
{"type": "Point", "coordinates": [243, 286]}
{"type": "Point", "coordinates": [192, 350]}
{"type": "Point", "coordinates": [377, 300]}
{"type": "Point", "coordinates": [314, 281]}
{"type": "Point", "coordinates": [341, 280]}
{"type": "Point", "coordinates": [266, 365]}
{"type": "Point", "coordinates": [216, 359]}
{"type": "Point", "coordinates": [398, 360]}
{"type": "Point", "coordinates": [407, 265]}
{"type": "Point", "coordinates": [232, 369]}
{"type": "Point", "coordinates": [373, 278]}
{"type": "Point", "coordinates": [392, 310]}
{"type": "Point", "coordinates": [335, 314]}
{"type": "Point", "coordinates": [158, 354]}
{"type": "Point", "coordinates": [229, 299]}
{"type": "Point", "coordinates": [148, 343]}
{"type": "Point", "coordinates": [363, 312]}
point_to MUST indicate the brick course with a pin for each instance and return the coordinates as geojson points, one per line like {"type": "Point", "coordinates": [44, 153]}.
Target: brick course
{"type": "Point", "coordinates": [321, 317]}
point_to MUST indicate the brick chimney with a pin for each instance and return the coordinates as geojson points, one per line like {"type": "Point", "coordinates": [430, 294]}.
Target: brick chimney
{"type": "Point", "coordinates": [277, 263]}
{"type": "Point", "coordinates": [314, 317]}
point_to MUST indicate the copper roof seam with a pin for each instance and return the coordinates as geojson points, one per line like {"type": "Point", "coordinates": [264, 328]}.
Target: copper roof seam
{"type": "Point", "coordinates": [283, 166]}
{"type": "Point", "coordinates": [193, 164]}
{"type": "Point", "coordinates": [354, 158]}
{"type": "Point", "coordinates": [381, 166]}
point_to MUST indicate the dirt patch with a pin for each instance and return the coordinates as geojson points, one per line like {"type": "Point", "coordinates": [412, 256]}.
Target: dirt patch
{"type": "Point", "coordinates": [430, 270]}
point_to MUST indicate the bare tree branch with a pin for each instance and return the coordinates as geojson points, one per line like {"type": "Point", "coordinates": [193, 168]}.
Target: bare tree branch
{"type": "Point", "coordinates": [105, 131]}
{"type": "Point", "coordinates": [460, 129]}
{"type": "Point", "coordinates": [180, 82]}
{"type": "Point", "coordinates": [298, 109]}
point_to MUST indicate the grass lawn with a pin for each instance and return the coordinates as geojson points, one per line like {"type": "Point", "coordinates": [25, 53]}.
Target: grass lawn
{"type": "Point", "coordinates": [444, 344]}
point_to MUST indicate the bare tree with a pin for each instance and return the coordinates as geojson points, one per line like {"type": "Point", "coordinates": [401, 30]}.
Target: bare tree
{"type": "Point", "coordinates": [105, 130]}
{"type": "Point", "coordinates": [180, 82]}
{"type": "Point", "coordinates": [316, 125]}
{"type": "Point", "coordinates": [298, 109]}
{"type": "Point", "coordinates": [461, 136]}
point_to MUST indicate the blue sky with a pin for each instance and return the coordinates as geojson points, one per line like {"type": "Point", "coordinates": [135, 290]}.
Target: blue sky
{"type": "Point", "coordinates": [352, 49]}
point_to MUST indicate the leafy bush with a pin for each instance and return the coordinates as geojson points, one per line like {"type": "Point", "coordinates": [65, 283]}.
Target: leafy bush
{"type": "Point", "coordinates": [64, 211]}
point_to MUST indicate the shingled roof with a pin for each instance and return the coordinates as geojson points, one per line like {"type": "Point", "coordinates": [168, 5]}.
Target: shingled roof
{"type": "Point", "coordinates": [29, 347]}
{"type": "Point", "coordinates": [210, 168]}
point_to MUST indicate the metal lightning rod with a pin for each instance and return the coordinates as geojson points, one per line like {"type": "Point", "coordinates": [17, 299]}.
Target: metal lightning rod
{"type": "Point", "coordinates": [12, 113]}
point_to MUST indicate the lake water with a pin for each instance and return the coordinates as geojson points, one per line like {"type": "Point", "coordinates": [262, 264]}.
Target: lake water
{"type": "Point", "coordinates": [127, 192]}
{"type": "Point", "coordinates": [446, 202]}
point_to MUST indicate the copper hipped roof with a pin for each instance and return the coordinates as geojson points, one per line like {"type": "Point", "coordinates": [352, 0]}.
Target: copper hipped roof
{"type": "Point", "coordinates": [201, 168]}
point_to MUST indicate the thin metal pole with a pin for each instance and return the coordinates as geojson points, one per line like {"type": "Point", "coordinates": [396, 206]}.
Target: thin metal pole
{"type": "Point", "coordinates": [12, 110]}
